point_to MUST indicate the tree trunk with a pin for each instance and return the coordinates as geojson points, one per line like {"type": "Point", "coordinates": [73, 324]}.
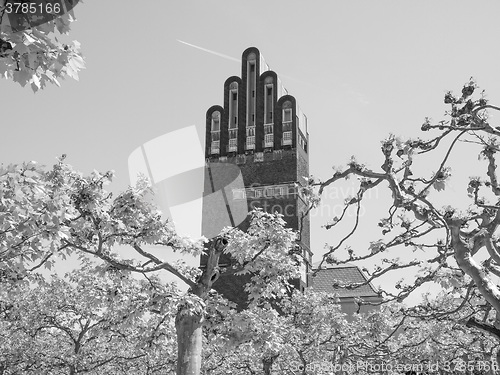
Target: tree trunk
{"type": "Point", "coordinates": [267, 364]}
{"type": "Point", "coordinates": [189, 342]}
{"type": "Point", "coordinates": [189, 321]}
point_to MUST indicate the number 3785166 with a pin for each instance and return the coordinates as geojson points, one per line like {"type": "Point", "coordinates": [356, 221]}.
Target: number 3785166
{"type": "Point", "coordinates": [33, 8]}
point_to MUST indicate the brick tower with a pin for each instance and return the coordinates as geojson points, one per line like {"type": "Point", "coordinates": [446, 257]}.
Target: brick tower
{"type": "Point", "coordinates": [262, 132]}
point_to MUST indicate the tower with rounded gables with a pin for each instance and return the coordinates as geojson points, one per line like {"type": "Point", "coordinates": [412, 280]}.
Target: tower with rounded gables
{"type": "Point", "coordinates": [261, 130]}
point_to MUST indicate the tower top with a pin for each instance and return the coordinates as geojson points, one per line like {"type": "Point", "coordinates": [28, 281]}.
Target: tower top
{"type": "Point", "coordinates": [258, 113]}
{"type": "Point", "coordinates": [253, 55]}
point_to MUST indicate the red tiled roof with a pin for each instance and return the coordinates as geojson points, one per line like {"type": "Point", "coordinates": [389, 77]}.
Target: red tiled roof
{"type": "Point", "coordinates": [330, 280]}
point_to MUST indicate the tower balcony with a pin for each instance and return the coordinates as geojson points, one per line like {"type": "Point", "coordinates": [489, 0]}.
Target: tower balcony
{"type": "Point", "coordinates": [233, 145]}
{"type": "Point", "coordinates": [268, 140]}
{"type": "Point", "coordinates": [287, 138]}
{"type": "Point", "coordinates": [215, 147]}
{"type": "Point", "coordinates": [250, 144]}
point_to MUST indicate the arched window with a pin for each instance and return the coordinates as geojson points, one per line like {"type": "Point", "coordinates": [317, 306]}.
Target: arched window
{"type": "Point", "coordinates": [268, 100]}
{"type": "Point", "coordinates": [251, 86]}
{"type": "Point", "coordinates": [233, 105]}
{"type": "Point", "coordinates": [287, 123]}
{"type": "Point", "coordinates": [215, 133]}
{"type": "Point", "coordinates": [233, 117]}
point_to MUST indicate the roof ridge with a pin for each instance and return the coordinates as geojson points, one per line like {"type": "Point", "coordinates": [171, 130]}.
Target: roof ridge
{"type": "Point", "coordinates": [325, 282]}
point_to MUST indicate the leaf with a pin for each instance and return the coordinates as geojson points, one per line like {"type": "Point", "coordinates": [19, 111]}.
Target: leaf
{"type": "Point", "coordinates": [376, 246]}
{"type": "Point", "coordinates": [35, 83]}
{"type": "Point", "coordinates": [21, 48]}
{"type": "Point", "coordinates": [438, 185]}
{"type": "Point", "coordinates": [470, 190]}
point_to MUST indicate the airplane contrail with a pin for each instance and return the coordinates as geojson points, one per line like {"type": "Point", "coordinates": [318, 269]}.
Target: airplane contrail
{"type": "Point", "coordinates": [239, 60]}
{"type": "Point", "coordinates": [210, 51]}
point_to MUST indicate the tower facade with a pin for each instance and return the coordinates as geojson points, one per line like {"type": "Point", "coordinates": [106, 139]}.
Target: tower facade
{"type": "Point", "coordinates": [261, 130]}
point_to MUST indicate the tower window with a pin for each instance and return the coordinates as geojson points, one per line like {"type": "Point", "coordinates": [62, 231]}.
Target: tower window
{"type": "Point", "coordinates": [268, 103]}
{"type": "Point", "coordinates": [250, 145]}
{"type": "Point", "coordinates": [215, 125]}
{"type": "Point", "coordinates": [215, 133]}
{"type": "Point", "coordinates": [279, 191]}
{"type": "Point", "coordinates": [239, 194]}
{"type": "Point", "coordinates": [287, 115]}
{"type": "Point", "coordinates": [233, 105]}
{"type": "Point", "coordinates": [302, 143]}
{"type": "Point", "coordinates": [251, 85]}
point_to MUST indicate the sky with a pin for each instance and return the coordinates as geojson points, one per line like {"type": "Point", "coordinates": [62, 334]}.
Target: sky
{"type": "Point", "coordinates": [359, 69]}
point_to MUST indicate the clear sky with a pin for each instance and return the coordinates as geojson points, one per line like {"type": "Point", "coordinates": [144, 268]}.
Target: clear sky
{"type": "Point", "coordinates": [359, 69]}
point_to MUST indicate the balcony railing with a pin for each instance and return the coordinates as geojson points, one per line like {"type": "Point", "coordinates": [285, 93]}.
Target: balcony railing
{"type": "Point", "coordinates": [215, 147]}
{"type": "Point", "coordinates": [269, 140]}
{"type": "Point", "coordinates": [250, 144]}
{"type": "Point", "coordinates": [287, 126]}
{"type": "Point", "coordinates": [287, 138]}
{"type": "Point", "coordinates": [233, 145]}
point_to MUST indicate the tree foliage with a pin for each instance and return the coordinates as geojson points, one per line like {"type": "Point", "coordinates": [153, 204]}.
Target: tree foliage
{"type": "Point", "coordinates": [35, 55]}
{"type": "Point", "coordinates": [49, 214]}
{"type": "Point", "coordinates": [92, 321]}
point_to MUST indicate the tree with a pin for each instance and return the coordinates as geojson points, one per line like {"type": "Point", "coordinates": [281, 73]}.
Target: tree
{"type": "Point", "coordinates": [30, 51]}
{"type": "Point", "coordinates": [92, 321]}
{"type": "Point", "coordinates": [289, 336]}
{"type": "Point", "coordinates": [312, 336]}
{"type": "Point", "coordinates": [50, 214]}
{"type": "Point", "coordinates": [460, 243]}
{"type": "Point", "coordinates": [443, 340]}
